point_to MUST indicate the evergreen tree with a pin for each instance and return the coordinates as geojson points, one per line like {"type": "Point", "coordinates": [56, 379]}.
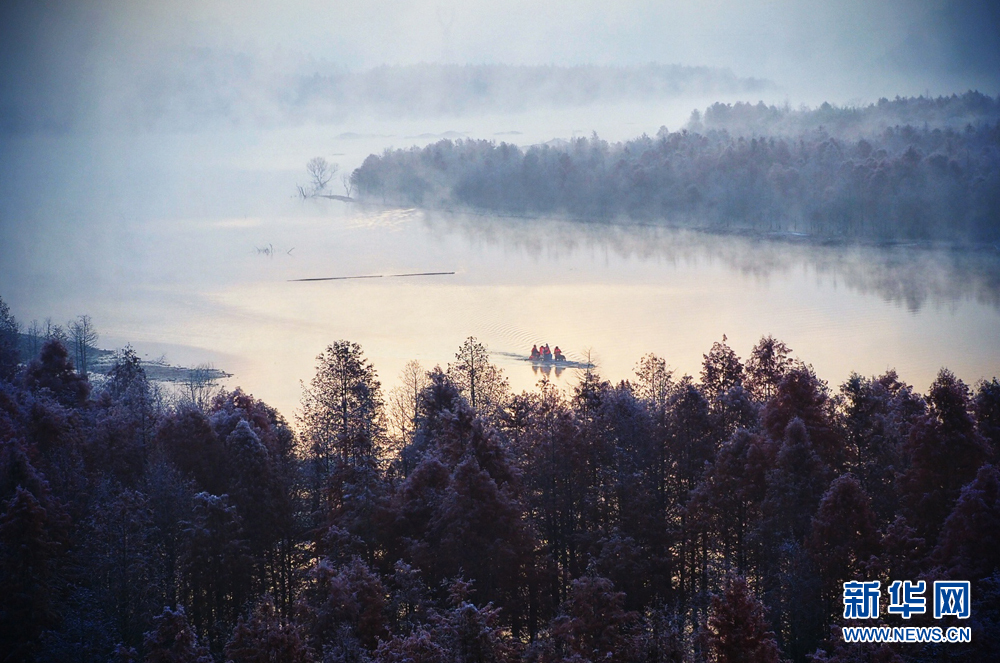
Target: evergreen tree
{"type": "Point", "coordinates": [342, 422]}
{"type": "Point", "coordinates": [768, 363]}
{"type": "Point", "coordinates": [10, 343]}
{"type": "Point", "coordinates": [969, 548]}
{"type": "Point", "coordinates": [945, 451]}
{"type": "Point", "coordinates": [843, 541]}
{"type": "Point", "coordinates": [482, 383]}
{"type": "Point", "coordinates": [265, 638]}
{"type": "Point", "coordinates": [987, 409]}
{"type": "Point", "coordinates": [721, 370]}
{"type": "Point", "coordinates": [30, 552]}
{"type": "Point", "coordinates": [592, 625]}
{"type": "Point", "coordinates": [737, 627]}
{"type": "Point", "coordinates": [174, 640]}
{"type": "Point", "coordinates": [53, 372]}
{"type": "Point", "coordinates": [186, 437]}
{"type": "Point", "coordinates": [214, 566]}
{"type": "Point", "coordinates": [801, 395]}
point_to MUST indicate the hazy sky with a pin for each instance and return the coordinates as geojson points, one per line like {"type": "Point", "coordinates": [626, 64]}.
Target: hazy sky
{"type": "Point", "coordinates": [55, 54]}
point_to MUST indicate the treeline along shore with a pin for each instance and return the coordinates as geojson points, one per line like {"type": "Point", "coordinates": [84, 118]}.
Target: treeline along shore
{"type": "Point", "coordinates": [664, 518]}
{"type": "Point", "coordinates": [907, 169]}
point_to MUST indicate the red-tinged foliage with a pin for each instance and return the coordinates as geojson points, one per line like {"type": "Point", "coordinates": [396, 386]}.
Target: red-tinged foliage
{"type": "Point", "coordinates": [347, 600]}
{"type": "Point", "coordinates": [878, 414]}
{"type": "Point", "coordinates": [903, 550]}
{"type": "Point", "coordinates": [457, 514]}
{"type": "Point", "coordinates": [188, 440]}
{"type": "Point", "coordinates": [592, 625]}
{"type": "Point", "coordinates": [738, 629]}
{"type": "Point", "coordinates": [731, 496]}
{"type": "Point", "coordinates": [417, 646]}
{"type": "Point", "coordinates": [801, 395]}
{"type": "Point", "coordinates": [228, 408]}
{"type": "Point", "coordinates": [174, 640]}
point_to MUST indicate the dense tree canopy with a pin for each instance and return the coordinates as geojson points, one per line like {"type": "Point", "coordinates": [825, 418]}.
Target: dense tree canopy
{"type": "Point", "coordinates": [909, 168]}
{"type": "Point", "coordinates": [660, 519]}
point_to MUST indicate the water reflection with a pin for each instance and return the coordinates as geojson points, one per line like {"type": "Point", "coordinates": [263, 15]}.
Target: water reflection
{"type": "Point", "coordinates": [910, 275]}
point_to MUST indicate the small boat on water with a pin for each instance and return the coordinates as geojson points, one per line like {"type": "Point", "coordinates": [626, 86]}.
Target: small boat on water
{"type": "Point", "coordinates": [558, 363]}
{"type": "Point", "coordinates": [544, 357]}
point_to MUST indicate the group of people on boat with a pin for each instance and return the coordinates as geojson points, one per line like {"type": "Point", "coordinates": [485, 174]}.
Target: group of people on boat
{"type": "Point", "coordinates": [544, 354]}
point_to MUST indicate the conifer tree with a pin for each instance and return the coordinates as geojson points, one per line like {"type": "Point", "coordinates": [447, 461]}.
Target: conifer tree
{"type": "Point", "coordinates": [970, 539]}
{"type": "Point", "coordinates": [738, 628]}
{"type": "Point", "coordinates": [265, 638]}
{"type": "Point", "coordinates": [768, 362]}
{"type": "Point", "coordinates": [10, 343]}
{"type": "Point", "coordinates": [945, 451]}
{"type": "Point", "coordinates": [721, 370]}
{"type": "Point", "coordinates": [843, 540]}
{"type": "Point", "coordinates": [53, 372]}
{"type": "Point", "coordinates": [481, 382]}
{"type": "Point", "coordinates": [174, 640]}
{"type": "Point", "coordinates": [343, 423]}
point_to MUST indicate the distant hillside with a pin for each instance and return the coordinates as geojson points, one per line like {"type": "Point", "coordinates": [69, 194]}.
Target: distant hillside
{"type": "Point", "coordinates": [952, 112]}
{"type": "Point", "coordinates": [829, 172]}
{"type": "Point", "coordinates": [195, 89]}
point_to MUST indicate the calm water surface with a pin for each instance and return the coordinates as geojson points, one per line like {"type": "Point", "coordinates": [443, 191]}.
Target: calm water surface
{"type": "Point", "coordinates": [185, 246]}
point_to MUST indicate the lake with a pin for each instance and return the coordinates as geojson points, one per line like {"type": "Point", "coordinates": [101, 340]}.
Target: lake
{"type": "Point", "coordinates": [186, 245]}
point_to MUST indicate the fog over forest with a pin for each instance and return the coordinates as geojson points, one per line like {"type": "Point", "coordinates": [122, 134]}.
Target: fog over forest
{"type": "Point", "coordinates": [271, 275]}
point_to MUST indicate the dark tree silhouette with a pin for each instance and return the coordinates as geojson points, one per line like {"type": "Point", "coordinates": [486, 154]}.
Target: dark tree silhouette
{"type": "Point", "coordinates": [944, 450]}
{"type": "Point", "coordinates": [174, 640]}
{"type": "Point", "coordinates": [265, 638]}
{"type": "Point", "coordinates": [10, 345]}
{"type": "Point", "coordinates": [53, 372]}
{"type": "Point", "coordinates": [737, 627]}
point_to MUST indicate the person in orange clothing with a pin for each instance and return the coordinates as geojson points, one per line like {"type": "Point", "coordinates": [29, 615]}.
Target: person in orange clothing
{"type": "Point", "coordinates": [535, 354]}
{"type": "Point", "coordinates": [558, 355]}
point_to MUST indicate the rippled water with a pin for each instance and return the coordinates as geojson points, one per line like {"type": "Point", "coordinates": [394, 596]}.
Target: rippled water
{"type": "Point", "coordinates": [187, 245]}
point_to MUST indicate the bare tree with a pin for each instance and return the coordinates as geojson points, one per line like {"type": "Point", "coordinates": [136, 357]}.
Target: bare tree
{"type": "Point", "coordinates": [403, 402]}
{"type": "Point", "coordinates": [83, 336]}
{"type": "Point", "coordinates": [348, 184]}
{"type": "Point", "coordinates": [35, 335]}
{"type": "Point", "coordinates": [201, 384]}
{"type": "Point", "coordinates": [55, 331]}
{"type": "Point", "coordinates": [481, 382]}
{"type": "Point", "coordinates": [653, 379]}
{"type": "Point", "coordinates": [321, 172]}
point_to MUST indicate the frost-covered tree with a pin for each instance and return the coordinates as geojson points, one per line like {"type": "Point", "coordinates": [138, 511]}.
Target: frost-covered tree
{"type": "Point", "coordinates": [481, 382]}
{"type": "Point", "coordinates": [738, 630]}
{"type": "Point", "coordinates": [10, 354]}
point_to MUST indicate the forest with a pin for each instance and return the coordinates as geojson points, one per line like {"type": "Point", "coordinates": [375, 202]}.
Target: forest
{"type": "Point", "coordinates": [908, 169]}
{"type": "Point", "coordinates": [664, 518]}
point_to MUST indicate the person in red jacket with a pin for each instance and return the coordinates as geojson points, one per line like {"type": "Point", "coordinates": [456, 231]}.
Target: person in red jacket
{"type": "Point", "coordinates": [558, 355]}
{"type": "Point", "coordinates": [535, 354]}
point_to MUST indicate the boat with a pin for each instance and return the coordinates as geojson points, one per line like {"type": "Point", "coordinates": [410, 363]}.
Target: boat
{"type": "Point", "coordinates": [557, 363]}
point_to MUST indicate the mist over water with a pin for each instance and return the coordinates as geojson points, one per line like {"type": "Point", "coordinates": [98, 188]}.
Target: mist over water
{"type": "Point", "coordinates": [149, 158]}
{"type": "Point", "coordinates": [185, 244]}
